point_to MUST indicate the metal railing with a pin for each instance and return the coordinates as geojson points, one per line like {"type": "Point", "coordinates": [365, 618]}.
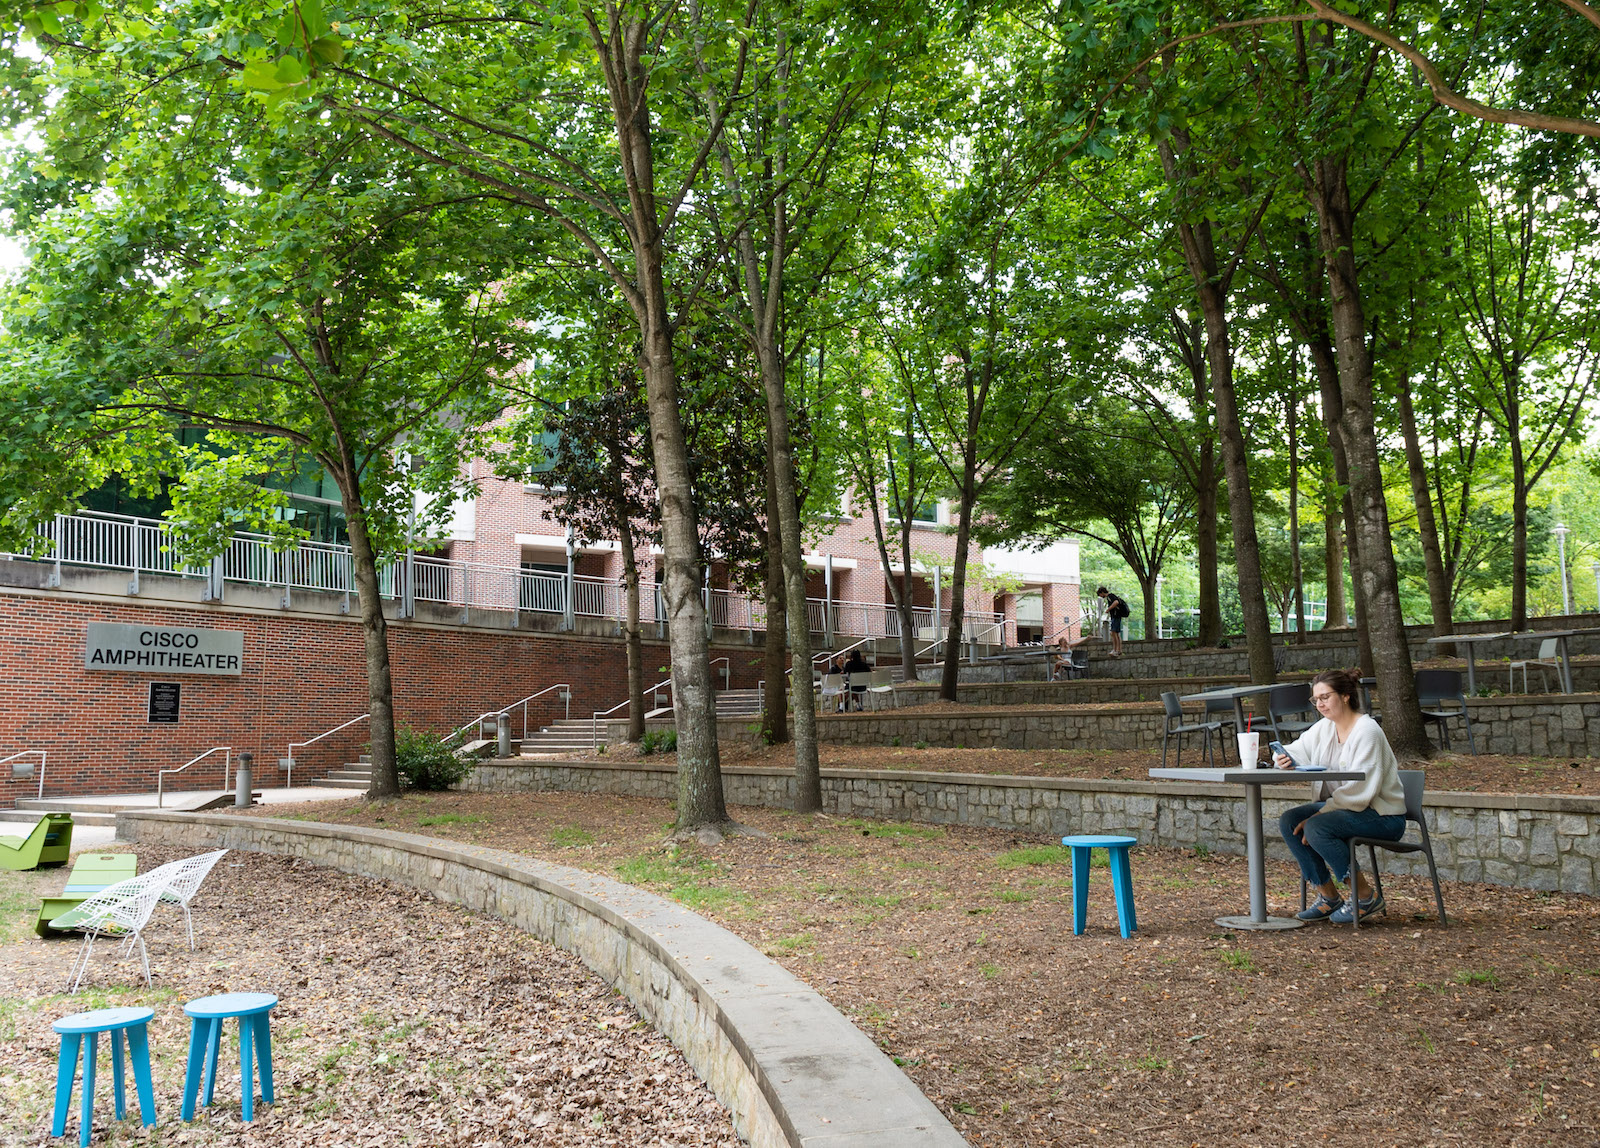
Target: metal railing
{"type": "Point", "coordinates": [43, 760]}
{"type": "Point", "coordinates": [566, 696]}
{"type": "Point", "coordinates": [145, 546]}
{"type": "Point", "coordinates": [227, 765]}
{"type": "Point", "coordinates": [664, 683]}
{"type": "Point", "coordinates": [288, 759]}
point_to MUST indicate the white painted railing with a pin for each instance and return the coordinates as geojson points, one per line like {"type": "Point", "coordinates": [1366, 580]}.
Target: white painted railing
{"type": "Point", "coordinates": [144, 546]}
{"type": "Point", "coordinates": [20, 771]}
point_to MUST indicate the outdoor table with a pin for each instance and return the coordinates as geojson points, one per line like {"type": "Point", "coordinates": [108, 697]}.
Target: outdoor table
{"type": "Point", "coordinates": [1561, 637]}
{"type": "Point", "coordinates": [1468, 640]}
{"type": "Point", "coordinates": [1236, 695]}
{"type": "Point", "coordinates": [1255, 849]}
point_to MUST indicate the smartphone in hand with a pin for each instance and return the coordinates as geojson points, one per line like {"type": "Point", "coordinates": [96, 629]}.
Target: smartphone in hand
{"type": "Point", "coordinates": [1276, 748]}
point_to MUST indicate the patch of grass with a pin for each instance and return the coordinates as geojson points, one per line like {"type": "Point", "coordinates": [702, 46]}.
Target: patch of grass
{"type": "Point", "coordinates": [989, 971]}
{"type": "Point", "coordinates": [449, 819]}
{"type": "Point", "coordinates": [570, 837]}
{"type": "Point", "coordinates": [1202, 851]}
{"type": "Point", "coordinates": [1014, 896]}
{"type": "Point", "coordinates": [1238, 959]}
{"type": "Point", "coordinates": [880, 900]}
{"type": "Point", "coordinates": [896, 829]}
{"type": "Point", "coordinates": [684, 877]}
{"type": "Point", "coordinates": [1472, 977]}
{"type": "Point", "coordinates": [789, 946]}
{"type": "Point", "coordinates": [1034, 855]}
{"type": "Point", "coordinates": [1153, 1063]}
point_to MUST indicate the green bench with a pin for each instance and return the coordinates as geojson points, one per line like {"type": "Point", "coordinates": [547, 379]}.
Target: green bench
{"type": "Point", "coordinates": [49, 843]}
{"type": "Point", "coordinates": [91, 873]}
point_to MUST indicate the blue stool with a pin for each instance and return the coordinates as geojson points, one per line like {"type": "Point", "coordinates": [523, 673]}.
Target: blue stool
{"type": "Point", "coordinates": [1121, 879]}
{"type": "Point", "coordinates": [74, 1029]}
{"type": "Point", "coordinates": [205, 1042]}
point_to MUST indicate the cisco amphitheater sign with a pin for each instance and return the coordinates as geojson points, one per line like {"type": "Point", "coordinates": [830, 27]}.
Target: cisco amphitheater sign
{"type": "Point", "coordinates": [164, 649]}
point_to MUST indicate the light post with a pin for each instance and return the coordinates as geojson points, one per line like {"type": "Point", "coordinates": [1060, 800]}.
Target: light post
{"type": "Point", "coordinates": [1159, 634]}
{"type": "Point", "coordinates": [1560, 530]}
{"type": "Point", "coordinates": [1596, 569]}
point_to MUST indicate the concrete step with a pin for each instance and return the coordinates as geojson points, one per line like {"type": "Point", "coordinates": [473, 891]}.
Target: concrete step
{"type": "Point", "coordinates": [31, 816]}
{"type": "Point", "coordinates": [349, 775]}
{"type": "Point", "coordinates": [333, 783]}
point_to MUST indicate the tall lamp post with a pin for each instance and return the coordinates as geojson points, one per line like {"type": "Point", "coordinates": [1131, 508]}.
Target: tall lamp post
{"type": "Point", "coordinates": [1560, 530]}
{"type": "Point", "coordinates": [1159, 634]}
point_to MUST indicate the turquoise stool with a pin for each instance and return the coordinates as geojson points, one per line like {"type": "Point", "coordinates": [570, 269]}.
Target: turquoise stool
{"type": "Point", "coordinates": [1121, 879]}
{"type": "Point", "coordinates": [74, 1030]}
{"type": "Point", "coordinates": [205, 1042]}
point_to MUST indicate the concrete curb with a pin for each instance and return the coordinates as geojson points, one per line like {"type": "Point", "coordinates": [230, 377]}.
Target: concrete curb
{"type": "Point", "coordinates": [790, 1067]}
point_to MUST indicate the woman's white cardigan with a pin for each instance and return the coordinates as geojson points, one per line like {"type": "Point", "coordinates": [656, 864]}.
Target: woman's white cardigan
{"type": "Point", "coordinates": [1366, 748]}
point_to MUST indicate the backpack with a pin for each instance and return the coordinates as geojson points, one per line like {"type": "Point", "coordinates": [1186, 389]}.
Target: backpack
{"type": "Point", "coordinates": [1119, 609]}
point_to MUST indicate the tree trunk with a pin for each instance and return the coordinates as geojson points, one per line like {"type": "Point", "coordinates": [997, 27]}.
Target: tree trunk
{"type": "Point", "coordinates": [375, 634]}
{"type": "Point", "coordinates": [1152, 616]}
{"type": "Point", "coordinates": [1427, 525]}
{"type": "Point", "coordinates": [775, 705]}
{"type": "Point", "coordinates": [1519, 519]}
{"type": "Point", "coordinates": [949, 679]}
{"type": "Point", "coordinates": [700, 796]}
{"type": "Point", "coordinates": [1379, 587]}
{"type": "Point", "coordinates": [1235, 462]}
{"type": "Point", "coordinates": [632, 640]}
{"type": "Point", "coordinates": [1297, 581]}
{"type": "Point", "coordinates": [1211, 288]}
{"type": "Point", "coordinates": [1205, 490]}
{"type": "Point", "coordinates": [1336, 613]}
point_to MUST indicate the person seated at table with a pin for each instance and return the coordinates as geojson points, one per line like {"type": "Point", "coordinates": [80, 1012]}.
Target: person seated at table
{"type": "Point", "coordinates": [856, 666]}
{"type": "Point", "coordinates": [1318, 834]}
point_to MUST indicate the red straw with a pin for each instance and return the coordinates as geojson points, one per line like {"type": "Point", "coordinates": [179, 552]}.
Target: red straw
{"type": "Point", "coordinates": [1247, 721]}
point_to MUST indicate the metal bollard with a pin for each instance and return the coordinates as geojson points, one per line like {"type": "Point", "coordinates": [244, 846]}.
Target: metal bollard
{"type": "Point", "coordinates": [503, 734]}
{"type": "Point", "coordinates": [241, 780]}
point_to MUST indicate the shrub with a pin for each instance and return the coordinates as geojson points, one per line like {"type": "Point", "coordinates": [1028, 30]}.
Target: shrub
{"type": "Point", "coordinates": [659, 741]}
{"type": "Point", "coordinates": [425, 761]}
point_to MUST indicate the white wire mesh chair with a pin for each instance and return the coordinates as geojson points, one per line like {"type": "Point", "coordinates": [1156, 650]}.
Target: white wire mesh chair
{"type": "Point", "coordinates": [121, 911]}
{"type": "Point", "coordinates": [184, 882]}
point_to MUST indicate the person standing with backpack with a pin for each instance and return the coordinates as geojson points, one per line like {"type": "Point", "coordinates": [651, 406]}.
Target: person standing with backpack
{"type": "Point", "coordinates": [1116, 609]}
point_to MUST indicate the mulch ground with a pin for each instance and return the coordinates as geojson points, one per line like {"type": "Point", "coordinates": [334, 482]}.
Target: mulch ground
{"type": "Point", "coordinates": [1459, 772]}
{"type": "Point", "coordinates": [401, 1020]}
{"type": "Point", "coordinates": [953, 948]}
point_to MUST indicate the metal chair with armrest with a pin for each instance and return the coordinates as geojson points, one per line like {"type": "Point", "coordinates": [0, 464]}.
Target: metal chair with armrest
{"type": "Point", "coordinates": [1180, 731]}
{"type": "Point", "coordinates": [1435, 687]}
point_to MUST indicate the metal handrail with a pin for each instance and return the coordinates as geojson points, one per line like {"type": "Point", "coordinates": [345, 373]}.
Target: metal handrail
{"type": "Point", "coordinates": [727, 674]}
{"type": "Point", "coordinates": [293, 745]}
{"type": "Point", "coordinates": [227, 765]}
{"type": "Point", "coordinates": [566, 695]}
{"type": "Point", "coordinates": [43, 760]}
{"type": "Point", "coordinates": [598, 714]}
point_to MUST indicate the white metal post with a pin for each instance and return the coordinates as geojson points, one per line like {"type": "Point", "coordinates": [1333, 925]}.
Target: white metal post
{"type": "Point", "coordinates": [568, 620]}
{"type": "Point", "coordinates": [1159, 632]}
{"type": "Point", "coordinates": [827, 601]}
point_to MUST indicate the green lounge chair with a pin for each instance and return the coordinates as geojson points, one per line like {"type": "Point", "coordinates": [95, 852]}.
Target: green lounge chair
{"type": "Point", "coordinates": [48, 844]}
{"type": "Point", "coordinates": [91, 873]}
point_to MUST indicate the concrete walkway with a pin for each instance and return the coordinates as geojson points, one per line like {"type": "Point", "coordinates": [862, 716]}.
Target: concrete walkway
{"type": "Point", "coordinates": [95, 817]}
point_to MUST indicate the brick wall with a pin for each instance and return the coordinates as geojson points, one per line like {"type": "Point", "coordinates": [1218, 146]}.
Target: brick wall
{"type": "Point", "coordinates": [303, 674]}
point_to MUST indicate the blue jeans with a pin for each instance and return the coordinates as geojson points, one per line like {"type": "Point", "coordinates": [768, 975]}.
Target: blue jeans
{"type": "Point", "coordinates": [1327, 837]}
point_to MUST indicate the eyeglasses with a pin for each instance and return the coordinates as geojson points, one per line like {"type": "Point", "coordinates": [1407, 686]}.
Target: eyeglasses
{"type": "Point", "coordinates": [1322, 699]}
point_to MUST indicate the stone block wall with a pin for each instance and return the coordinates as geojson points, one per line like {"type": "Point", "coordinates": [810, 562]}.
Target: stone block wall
{"type": "Point", "coordinates": [1532, 842]}
{"type": "Point", "coordinates": [751, 1030]}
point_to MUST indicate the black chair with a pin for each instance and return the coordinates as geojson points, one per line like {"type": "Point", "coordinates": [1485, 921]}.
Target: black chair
{"type": "Point", "coordinates": [1283, 703]}
{"type": "Point", "coordinates": [1175, 713]}
{"type": "Point", "coordinates": [1435, 687]}
{"type": "Point", "coordinates": [1221, 711]}
{"type": "Point", "coordinates": [1411, 780]}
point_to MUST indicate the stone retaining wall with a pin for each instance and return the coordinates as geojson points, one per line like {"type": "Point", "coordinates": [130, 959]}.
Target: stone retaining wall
{"type": "Point", "coordinates": [790, 1068]}
{"type": "Point", "coordinates": [1529, 841]}
{"type": "Point", "coordinates": [1558, 725]}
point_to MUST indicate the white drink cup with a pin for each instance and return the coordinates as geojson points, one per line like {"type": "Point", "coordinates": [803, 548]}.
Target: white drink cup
{"type": "Point", "coordinates": [1249, 748]}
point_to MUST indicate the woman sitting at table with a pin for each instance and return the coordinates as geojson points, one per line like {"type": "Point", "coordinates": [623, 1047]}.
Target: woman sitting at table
{"type": "Point", "coordinates": [1318, 834]}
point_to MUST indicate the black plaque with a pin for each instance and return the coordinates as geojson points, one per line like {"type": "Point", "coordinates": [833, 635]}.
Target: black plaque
{"type": "Point", "coordinates": [164, 702]}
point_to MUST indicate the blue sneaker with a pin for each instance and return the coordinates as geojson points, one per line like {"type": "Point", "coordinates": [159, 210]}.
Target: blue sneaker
{"type": "Point", "coordinates": [1344, 915]}
{"type": "Point", "coordinates": [1323, 910]}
